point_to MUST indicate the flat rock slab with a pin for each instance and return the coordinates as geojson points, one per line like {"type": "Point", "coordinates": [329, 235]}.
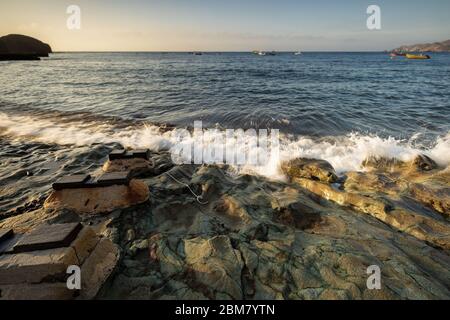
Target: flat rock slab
{"type": "Point", "coordinates": [41, 266]}
{"type": "Point", "coordinates": [123, 154]}
{"type": "Point", "coordinates": [71, 182]}
{"type": "Point", "coordinates": [48, 237]}
{"type": "Point", "coordinates": [102, 199]}
{"type": "Point", "coordinates": [36, 266]}
{"type": "Point", "coordinates": [114, 178]}
{"type": "Point", "coordinates": [5, 234]}
{"type": "Point", "coordinates": [7, 240]}
{"type": "Point", "coordinates": [86, 181]}
{"type": "Point", "coordinates": [7, 245]}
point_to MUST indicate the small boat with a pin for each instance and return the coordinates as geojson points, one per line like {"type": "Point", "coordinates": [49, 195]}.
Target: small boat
{"type": "Point", "coordinates": [264, 53]}
{"type": "Point", "coordinates": [197, 53]}
{"type": "Point", "coordinates": [397, 54]}
{"type": "Point", "coordinates": [298, 53]}
{"type": "Point", "coordinates": [418, 56]}
{"type": "Point", "coordinates": [259, 52]}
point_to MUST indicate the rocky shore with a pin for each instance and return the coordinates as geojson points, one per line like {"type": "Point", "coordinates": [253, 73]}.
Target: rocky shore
{"type": "Point", "coordinates": [20, 47]}
{"type": "Point", "coordinates": [246, 237]}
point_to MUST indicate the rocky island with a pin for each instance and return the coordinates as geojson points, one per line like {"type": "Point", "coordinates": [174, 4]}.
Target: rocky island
{"type": "Point", "coordinates": [443, 46]}
{"type": "Point", "coordinates": [20, 47]}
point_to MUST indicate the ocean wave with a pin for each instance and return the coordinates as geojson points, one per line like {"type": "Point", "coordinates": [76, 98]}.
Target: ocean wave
{"type": "Point", "coordinates": [345, 153]}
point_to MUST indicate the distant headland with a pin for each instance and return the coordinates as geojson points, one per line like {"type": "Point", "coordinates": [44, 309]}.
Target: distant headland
{"type": "Point", "coordinates": [20, 47]}
{"type": "Point", "coordinates": [443, 46]}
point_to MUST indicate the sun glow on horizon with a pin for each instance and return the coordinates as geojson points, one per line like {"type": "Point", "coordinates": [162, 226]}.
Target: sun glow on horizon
{"type": "Point", "coordinates": [224, 25]}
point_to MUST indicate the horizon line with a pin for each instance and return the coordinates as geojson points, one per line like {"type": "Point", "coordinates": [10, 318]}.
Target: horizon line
{"type": "Point", "coordinates": [215, 51]}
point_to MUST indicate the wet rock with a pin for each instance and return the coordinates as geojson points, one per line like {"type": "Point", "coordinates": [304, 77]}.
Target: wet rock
{"type": "Point", "coordinates": [419, 163]}
{"type": "Point", "coordinates": [382, 163]}
{"type": "Point", "coordinates": [309, 168]}
{"type": "Point", "coordinates": [423, 163]}
{"type": "Point", "coordinates": [370, 182]}
{"type": "Point", "coordinates": [162, 162]}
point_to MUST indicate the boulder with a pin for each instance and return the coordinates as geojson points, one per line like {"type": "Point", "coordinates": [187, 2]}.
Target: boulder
{"type": "Point", "coordinates": [423, 163]}
{"type": "Point", "coordinates": [314, 169]}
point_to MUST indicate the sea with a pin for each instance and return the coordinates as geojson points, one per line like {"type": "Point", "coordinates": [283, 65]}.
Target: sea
{"type": "Point", "coordinates": [64, 114]}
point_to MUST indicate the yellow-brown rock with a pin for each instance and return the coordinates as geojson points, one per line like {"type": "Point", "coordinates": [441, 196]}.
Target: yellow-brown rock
{"type": "Point", "coordinates": [309, 168]}
{"type": "Point", "coordinates": [99, 200]}
{"type": "Point", "coordinates": [136, 166]}
{"type": "Point", "coordinates": [422, 227]}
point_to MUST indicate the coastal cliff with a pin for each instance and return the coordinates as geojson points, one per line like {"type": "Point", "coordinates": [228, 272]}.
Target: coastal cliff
{"type": "Point", "coordinates": [443, 46]}
{"type": "Point", "coordinates": [20, 47]}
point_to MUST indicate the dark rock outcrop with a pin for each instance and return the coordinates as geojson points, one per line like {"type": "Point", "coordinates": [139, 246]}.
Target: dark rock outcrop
{"type": "Point", "coordinates": [20, 47]}
{"type": "Point", "coordinates": [315, 169]}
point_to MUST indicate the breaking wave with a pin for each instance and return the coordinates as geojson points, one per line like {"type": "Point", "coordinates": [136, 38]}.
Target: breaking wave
{"type": "Point", "coordinates": [345, 153]}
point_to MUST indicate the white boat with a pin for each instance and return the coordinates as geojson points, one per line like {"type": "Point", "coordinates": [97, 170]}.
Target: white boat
{"type": "Point", "coordinates": [264, 53]}
{"type": "Point", "coordinates": [298, 53]}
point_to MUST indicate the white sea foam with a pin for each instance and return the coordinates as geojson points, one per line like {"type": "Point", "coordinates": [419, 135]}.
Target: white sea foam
{"type": "Point", "coordinates": [345, 153]}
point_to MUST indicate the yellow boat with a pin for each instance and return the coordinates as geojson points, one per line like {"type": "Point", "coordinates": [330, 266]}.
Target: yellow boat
{"type": "Point", "coordinates": [418, 56]}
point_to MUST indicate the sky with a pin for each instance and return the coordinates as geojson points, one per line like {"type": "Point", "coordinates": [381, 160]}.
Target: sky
{"type": "Point", "coordinates": [227, 25]}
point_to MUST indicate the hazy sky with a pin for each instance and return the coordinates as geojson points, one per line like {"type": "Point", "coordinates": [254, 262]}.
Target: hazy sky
{"type": "Point", "coordinates": [226, 25]}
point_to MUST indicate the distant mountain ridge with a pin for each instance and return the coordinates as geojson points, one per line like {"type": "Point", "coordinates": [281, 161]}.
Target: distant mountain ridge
{"type": "Point", "coordinates": [443, 46]}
